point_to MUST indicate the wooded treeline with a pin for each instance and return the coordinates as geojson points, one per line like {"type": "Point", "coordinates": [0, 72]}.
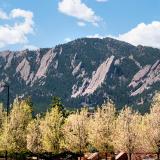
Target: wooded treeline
{"type": "Point", "coordinates": [58, 130]}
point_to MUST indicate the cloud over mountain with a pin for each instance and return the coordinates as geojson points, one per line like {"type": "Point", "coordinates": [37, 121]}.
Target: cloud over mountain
{"type": "Point", "coordinates": [144, 34]}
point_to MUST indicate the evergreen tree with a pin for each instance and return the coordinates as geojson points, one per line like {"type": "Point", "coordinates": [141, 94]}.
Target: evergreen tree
{"type": "Point", "coordinates": [56, 102]}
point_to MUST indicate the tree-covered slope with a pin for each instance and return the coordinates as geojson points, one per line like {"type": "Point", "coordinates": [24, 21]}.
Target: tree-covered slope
{"type": "Point", "coordinates": [86, 71]}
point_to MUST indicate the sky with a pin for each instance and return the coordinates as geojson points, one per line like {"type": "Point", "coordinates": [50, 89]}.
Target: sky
{"type": "Point", "coordinates": [36, 24]}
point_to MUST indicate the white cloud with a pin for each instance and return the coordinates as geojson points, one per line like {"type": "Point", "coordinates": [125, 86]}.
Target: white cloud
{"type": "Point", "coordinates": [101, 0]}
{"type": "Point", "coordinates": [79, 10]}
{"type": "Point", "coordinates": [17, 33]}
{"type": "Point", "coordinates": [96, 36]}
{"type": "Point", "coordinates": [143, 34]}
{"type": "Point", "coordinates": [30, 47]}
{"type": "Point", "coordinates": [81, 24]}
{"type": "Point", "coordinates": [67, 40]}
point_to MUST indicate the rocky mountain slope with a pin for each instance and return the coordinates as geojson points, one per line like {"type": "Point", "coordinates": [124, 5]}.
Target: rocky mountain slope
{"type": "Point", "coordinates": [84, 71]}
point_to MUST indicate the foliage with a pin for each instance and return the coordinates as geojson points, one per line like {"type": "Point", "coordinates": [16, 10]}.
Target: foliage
{"type": "Point", "coordinates": [75, 131]}
{"type": "Point", "coordinates": [51, 131]}
{"type": "Point", "coordinates": [34, 136]}
{"type": "Point", "coordinates": [14, 132]}
{"type": "Point", "coordinates": [126, 135]}
{"type": "Point", "coordinates": [151, 126]}
{"type": "Point", "coordinates": [104, 130]}
{"type": "Point", "coordinates": [2, 122]}
{"type": "Point", "coordinates": [56, 102]}
{"type": "Point", "coordinates": [101, 127]}
{"type": "Point", "coordinates": [59, 79]}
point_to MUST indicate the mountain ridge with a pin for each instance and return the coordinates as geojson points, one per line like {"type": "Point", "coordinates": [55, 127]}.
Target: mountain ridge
{"type": "Point", "coordinates": [84, 71]}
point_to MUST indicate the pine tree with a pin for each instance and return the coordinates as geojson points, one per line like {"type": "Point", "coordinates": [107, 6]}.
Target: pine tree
{"type": "Point", "coordinates": [56, 102]}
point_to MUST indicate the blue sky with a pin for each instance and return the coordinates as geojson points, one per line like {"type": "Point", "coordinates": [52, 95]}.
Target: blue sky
{"type": "Point", "coordinates": [45, 23]}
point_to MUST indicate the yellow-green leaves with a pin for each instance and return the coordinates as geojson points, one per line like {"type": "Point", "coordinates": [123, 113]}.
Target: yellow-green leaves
{"type": "Point", "coordinates": [51, 130]}
{"type": "Point", "coordinates": [102, 126]}
{"type": "Point", "coordinates": [126, 135]}
{"type": "Point", "coordinates": [75, 131]}
{"type": "Point", "coordinates": [151, 127]}
{"type": "Point", "coordinates": [34, 136]}
{"type": "Point", "coordinates": [14, 132]}
{"type": "Point", "coordinates": [104, 129]}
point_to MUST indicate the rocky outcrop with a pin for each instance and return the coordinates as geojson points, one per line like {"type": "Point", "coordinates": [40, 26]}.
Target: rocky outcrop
{"type": "Point", "coordinates": [145, 78]}
{"type": "Point", "coordinates": [89, 86]}
{"type": "Point", "coordinates": [99, 76]}
{"type": "Point", "coordinates": [85, 71]}
{"type": "Point", "coordinates": [140, 76]}
{"type": "Point", "coordinates": [76, 69]}
{"type": "Point", "coordinates": [24, 69]}
{"type": "Point", "coordinates": [44, 64]}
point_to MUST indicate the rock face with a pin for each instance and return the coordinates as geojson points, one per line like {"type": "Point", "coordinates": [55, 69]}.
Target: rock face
{"type": "Point", "coordinates": [85, 71]}
{"type": "Point", "coordinates": [145, 78]}
{"type": "Point", "coordinates": [99, 76]}
{"type": "Point", "coordinates": [24, 69]}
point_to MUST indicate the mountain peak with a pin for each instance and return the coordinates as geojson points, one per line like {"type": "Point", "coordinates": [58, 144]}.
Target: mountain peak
{"type": "Point", "coordinates": [86, 70]}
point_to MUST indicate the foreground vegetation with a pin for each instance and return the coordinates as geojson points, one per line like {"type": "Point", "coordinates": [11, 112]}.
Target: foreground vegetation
{"type": "Point", "coordinates": [58, 130]}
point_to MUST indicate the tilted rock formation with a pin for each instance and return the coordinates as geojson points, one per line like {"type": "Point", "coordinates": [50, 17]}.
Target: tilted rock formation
{"type": "Point", "coordinates": [85, 71]}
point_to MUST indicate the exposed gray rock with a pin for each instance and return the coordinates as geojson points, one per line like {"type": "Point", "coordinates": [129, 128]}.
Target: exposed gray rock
{"type": "Point", "coordinates": [55, 64]}
{"type": "Point", "coordinates": [9, 61]}
{"type": "Point", "coordinates": [44, 64]}
{"type": "Point", "coordinates": [76, 69]}
{"type": "Point", "coordinates": [138, 77]}
{"type": "Point", "coordinates": [24, 69]}
{"type": "Point", "coordinates": [147, 76]}
{"type": "Point", "coordinates": [99, 76]}
{"type": "Point", "coordinates": [97, 79]}
{"type": "Point", "coordinates": [79, 91]}
{"type": "Point", "coordinates": [136, 62]}
{"type": "Point", "coordinates": [117, 62]}
{"type": "Point", "coordinates": [85, 70]}
{"type": "Point", "coordinates": [82, 74]}
{"type": "Point", "coordinates": [73, 61]}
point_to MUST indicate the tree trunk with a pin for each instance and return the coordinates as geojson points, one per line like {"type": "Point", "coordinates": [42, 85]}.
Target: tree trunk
{"type": "Point", "coordinates": [129, 156]}
{"type": "Point", "coordinates": [6, 155]}
{"type": "Point", "coordinates": [38, 156]}
{"type": "Point", "coordinates": [158, 155]}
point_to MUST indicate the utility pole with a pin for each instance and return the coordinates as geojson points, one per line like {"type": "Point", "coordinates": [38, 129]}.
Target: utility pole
{"type": "Point", "coordinates": [158, 153]}
{"type": "Point", "coordinates": [8, 98]}
{"type": "Point", "coordinates": [8, 104]}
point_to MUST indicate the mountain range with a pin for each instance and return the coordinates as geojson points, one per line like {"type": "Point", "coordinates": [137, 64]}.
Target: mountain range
{"type": "Point", "coordinates": [86, 71]}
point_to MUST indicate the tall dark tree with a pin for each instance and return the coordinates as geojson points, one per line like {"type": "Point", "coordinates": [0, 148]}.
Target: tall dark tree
{"type": "Point", "coordinates": [56, 101]}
